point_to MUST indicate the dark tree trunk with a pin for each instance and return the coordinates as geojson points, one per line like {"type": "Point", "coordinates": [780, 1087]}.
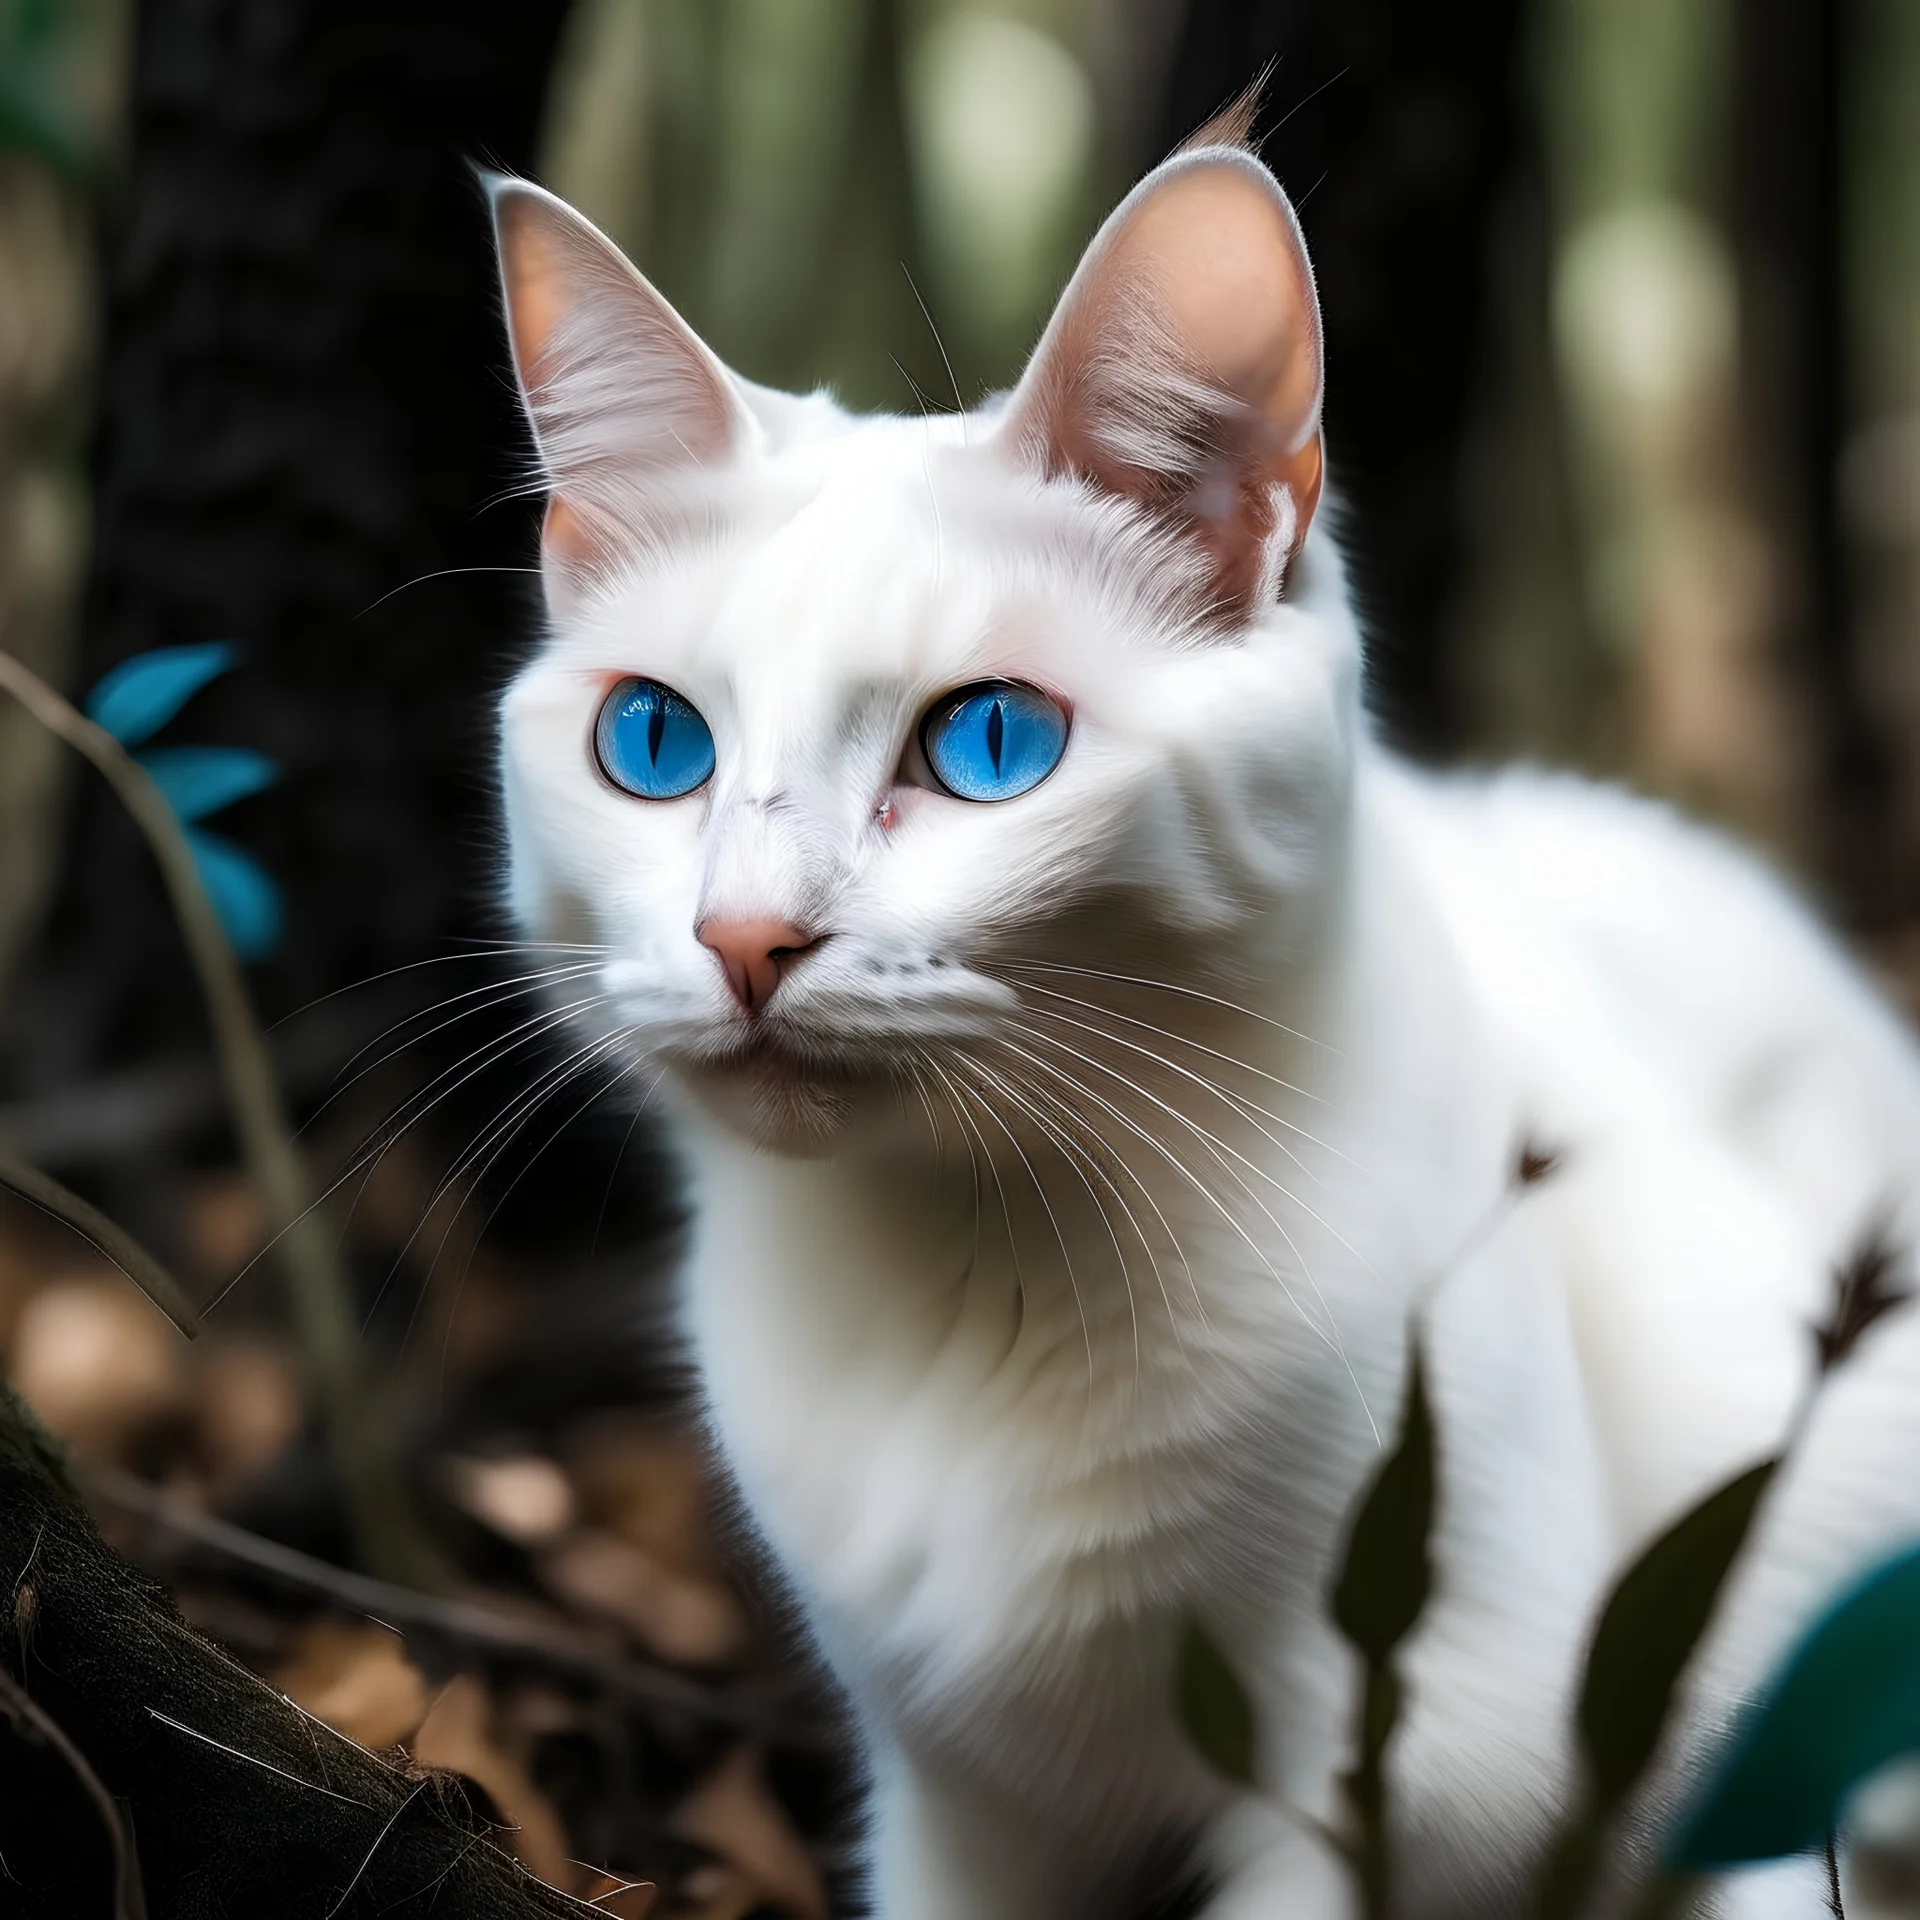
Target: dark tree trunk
{"type": "Point", "coordinates": [304, 408]}
{"type": "Point", "coordinates": [1790, 227]}
{"type": "Point", "coordinates": [1393, 128]}
{"type": "Point", "coordinates": [230, 1800]}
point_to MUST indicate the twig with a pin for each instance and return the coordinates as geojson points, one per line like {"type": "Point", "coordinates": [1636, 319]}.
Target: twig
{"type": "Point", "coordinates": [111, 1241]}
{"type": "Point", "coordinates": [465, 1622]}
{"type": "Point", "coordinates": [129, 1896]}
{"type": "Point", "coordinates": [316, 1284]}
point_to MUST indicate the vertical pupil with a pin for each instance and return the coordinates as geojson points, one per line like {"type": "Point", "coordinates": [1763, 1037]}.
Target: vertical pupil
{"type": "Point", "coordinates": [656, 727]}
{"type": "Point", "coordinates": [996, 731]}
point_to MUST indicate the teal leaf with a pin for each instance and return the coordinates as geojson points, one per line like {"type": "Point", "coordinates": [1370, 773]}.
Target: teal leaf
{"type": "Point", "coordinates": [1846, 1702]}
{"type": "Point", "coordinates": [139, 696]}
{"type": "Point", "coordinates": [1214, 1707]}
{"type": "Point", "coordinates": [201, 780]}
{"type": "Point", "coordinates": [1650, 1626]}
{"type": "Point", "coordinates": [244, 895]}
{"type": "Point", "coordinates": [1383, 1584]}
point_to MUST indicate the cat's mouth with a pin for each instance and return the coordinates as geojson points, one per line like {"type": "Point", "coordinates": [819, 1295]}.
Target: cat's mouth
{"type": "Point", "coordinates": [781, 1094]}
{"type": "Point", "coordinates": [766, 1057]}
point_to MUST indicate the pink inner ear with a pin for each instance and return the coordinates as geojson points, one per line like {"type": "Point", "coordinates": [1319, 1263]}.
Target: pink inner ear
{"type": "Point", "coordinates": [622, 395]}
{"type": "Point", "coordinates": [564, 535]}
{"type": "Point", "coordinates": [1183, 370]}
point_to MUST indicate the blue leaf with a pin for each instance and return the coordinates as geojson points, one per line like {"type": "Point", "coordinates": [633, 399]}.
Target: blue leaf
{"type": "Point", "coordinates": [141, 695]}
{"type": "Point", "coordinates": [1845, 1703]}
{"type": "Point", "coordinates": [243, 894]}
{"type": "Point", "coordinates": [201, 780]}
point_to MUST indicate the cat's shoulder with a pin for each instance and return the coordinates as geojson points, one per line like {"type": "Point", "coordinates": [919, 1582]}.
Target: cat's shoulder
{"type": "Point", "coordinates": [1622, 867]}
{"type": "Point", "coordinates": [1624, 929]}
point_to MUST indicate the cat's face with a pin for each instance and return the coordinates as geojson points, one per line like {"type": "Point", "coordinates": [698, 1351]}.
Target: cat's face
{"type": "Point", "coordinates": [851, 735]}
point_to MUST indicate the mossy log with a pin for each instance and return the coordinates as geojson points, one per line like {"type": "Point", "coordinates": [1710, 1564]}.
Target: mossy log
{"type": "Point", "coordinates": [230, 1800]}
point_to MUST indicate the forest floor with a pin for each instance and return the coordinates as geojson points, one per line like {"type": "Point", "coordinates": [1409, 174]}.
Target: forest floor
{"type": "Point", "coordinates": [597, 1659]}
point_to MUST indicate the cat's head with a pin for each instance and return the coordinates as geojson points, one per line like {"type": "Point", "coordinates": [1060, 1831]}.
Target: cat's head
{"type": "Point", "coordinates": [851, 737]}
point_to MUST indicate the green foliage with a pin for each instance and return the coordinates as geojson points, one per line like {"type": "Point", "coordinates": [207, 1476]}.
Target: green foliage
{"type": "Point", "coordinates": [1388, 1571]}
{"type": "Point", "coordinates": [1379, 1595]}
{"type": "Point", "coordinates": [138, 697]}
{"type": "Point", "coordinates": [198, 781]}
{"type": "Point", "coordinates": [37, 113]}
{"type": "Point", "coordinates": [1214, 1707]}
{"type": "Point", "coordinates": [1847, 1701]}
{"type": "Point", "coordinates": [1650, 1626]}
{"type": "Point", "coordinates": [133, 702]}
{"type": "Point", "coordinates": [1648, 1630]}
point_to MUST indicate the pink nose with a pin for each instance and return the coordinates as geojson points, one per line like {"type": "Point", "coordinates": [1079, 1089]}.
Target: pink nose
{"type": "Point", "coordinates": [753, 953]}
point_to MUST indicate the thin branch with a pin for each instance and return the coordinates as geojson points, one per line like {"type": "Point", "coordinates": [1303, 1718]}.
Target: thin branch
{"type": "Point", "coordinates": [112, 1242]}
{"type": "Point", "coordinates": [129, 1896]}
{"type": "Point", "coordinates": [316, 1283]}
{"type": "Point", "coordinates": [467, 1623]}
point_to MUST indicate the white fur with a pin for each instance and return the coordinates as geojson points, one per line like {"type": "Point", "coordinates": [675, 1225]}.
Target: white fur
{"type": "Point", "coordinates": [1025, 1343]}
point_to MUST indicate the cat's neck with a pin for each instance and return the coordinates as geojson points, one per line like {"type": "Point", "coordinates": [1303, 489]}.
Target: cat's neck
{"type": "Point", "coordinates": [1157, 1172]}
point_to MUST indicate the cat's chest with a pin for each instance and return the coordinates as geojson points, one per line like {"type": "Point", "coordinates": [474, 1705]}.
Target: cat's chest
{"type": "Point", "coordinates": [961, 1517]}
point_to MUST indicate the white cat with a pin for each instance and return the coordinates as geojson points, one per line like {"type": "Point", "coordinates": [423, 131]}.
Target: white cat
{"type": "Point", "coordinates": [1087, 1044]}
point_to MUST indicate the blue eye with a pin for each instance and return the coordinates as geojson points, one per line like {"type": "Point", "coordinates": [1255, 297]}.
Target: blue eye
{"type": "Point", "coordinates": [651, 742]}
{"type": "Point", "coordinates": [995, 741]}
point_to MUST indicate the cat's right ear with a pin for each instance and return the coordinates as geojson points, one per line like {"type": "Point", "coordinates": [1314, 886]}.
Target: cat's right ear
{"type": "Point", "coordinates": [1181, 372]}
{"type": "Point", "coordinates": [623, 396]}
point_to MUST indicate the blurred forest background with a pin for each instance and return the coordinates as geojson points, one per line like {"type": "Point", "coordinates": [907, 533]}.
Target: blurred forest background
{"type": "Point", "coordinates": [1623, 304]}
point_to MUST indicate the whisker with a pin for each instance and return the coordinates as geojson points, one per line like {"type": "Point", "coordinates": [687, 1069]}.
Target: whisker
{"type": "Point", "coordinates": [1198, 1046]}
{"type": "Point", "coordinates": [1062, 1147]}
{"type": "Point", "coordinates": [1222, 1150]}
{"type": "Point", "coordinates": [1200, 1186]}
{"type": "Point", "coordinates": [619, 1159]}
{"type": "Point", "coordinates": [1221, 1147]}
{"type": "Point", "coordinates": [486, 950]}
{"type": "Point", "coordinates": [1167, 986]}
{"type": "Point", "coordinates": [596, 1093]}
{"type": "Point", "coordinates": [1225, 1094]}
{"type": "Point", "coordinates": [499, 992]}
{"type": "Point", "coordinates": [486, 1056]}
{"type": "Point", "coordinates": [423, 1101]}
{"type": "Point", "coordinates": [439, 573]}
{"type": "Point", "coordinates": [1046, 1203]}
{"type": "Point", "coordinates": [1070, 1116]}
{"type": "Point", "coordinates": [971, 1127]}
{"type": "Point", "coordinates": [973, 1160]}
{"type": "Point", "coordinates": [503, 1129]}
{"type": "Point", "coordinates": [1331, 1334]}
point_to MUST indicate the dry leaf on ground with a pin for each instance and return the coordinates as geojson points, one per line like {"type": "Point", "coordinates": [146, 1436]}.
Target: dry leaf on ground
{"type": "Point", "coordinates": [248, 1406]}
{"type": "Point", "coordinates": [457, 1734]}
{"type": "Point", "coordinates": [646, 1482]}
{"type": "Point", "coordinates": [696, 1623]}
{"type": "Point", "coordinates": [358, 1680]}
{"type": "Point", "coordinates": [621, 1899]}
{"type": "Point", "coordinates": [523, 1497]}
{"type": "Point", "coordinates": [97, 1362]}
{"type": "Point", "coordinates": [222, 1224]}
{"type": "Point", "coordinates": [733, 1815]}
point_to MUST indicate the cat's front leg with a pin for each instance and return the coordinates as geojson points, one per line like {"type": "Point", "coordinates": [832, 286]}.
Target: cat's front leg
{"type": "Point", "coordinates": [1267, 1863]}
{"type": "Point", "coordinates": [941, 1852]}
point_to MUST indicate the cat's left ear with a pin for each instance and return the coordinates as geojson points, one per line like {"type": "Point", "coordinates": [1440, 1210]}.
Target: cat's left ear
{"type": "Point", "coordinates": [1182, 372]}
{"type": "Point", "coordinates": [623, 396]}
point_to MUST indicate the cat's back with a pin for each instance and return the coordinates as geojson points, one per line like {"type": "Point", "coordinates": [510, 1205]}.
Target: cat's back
{"type": "Point", "coordinates": [1618, 942]}
{"type": "Point", "coordinates": [1736, 1103]}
